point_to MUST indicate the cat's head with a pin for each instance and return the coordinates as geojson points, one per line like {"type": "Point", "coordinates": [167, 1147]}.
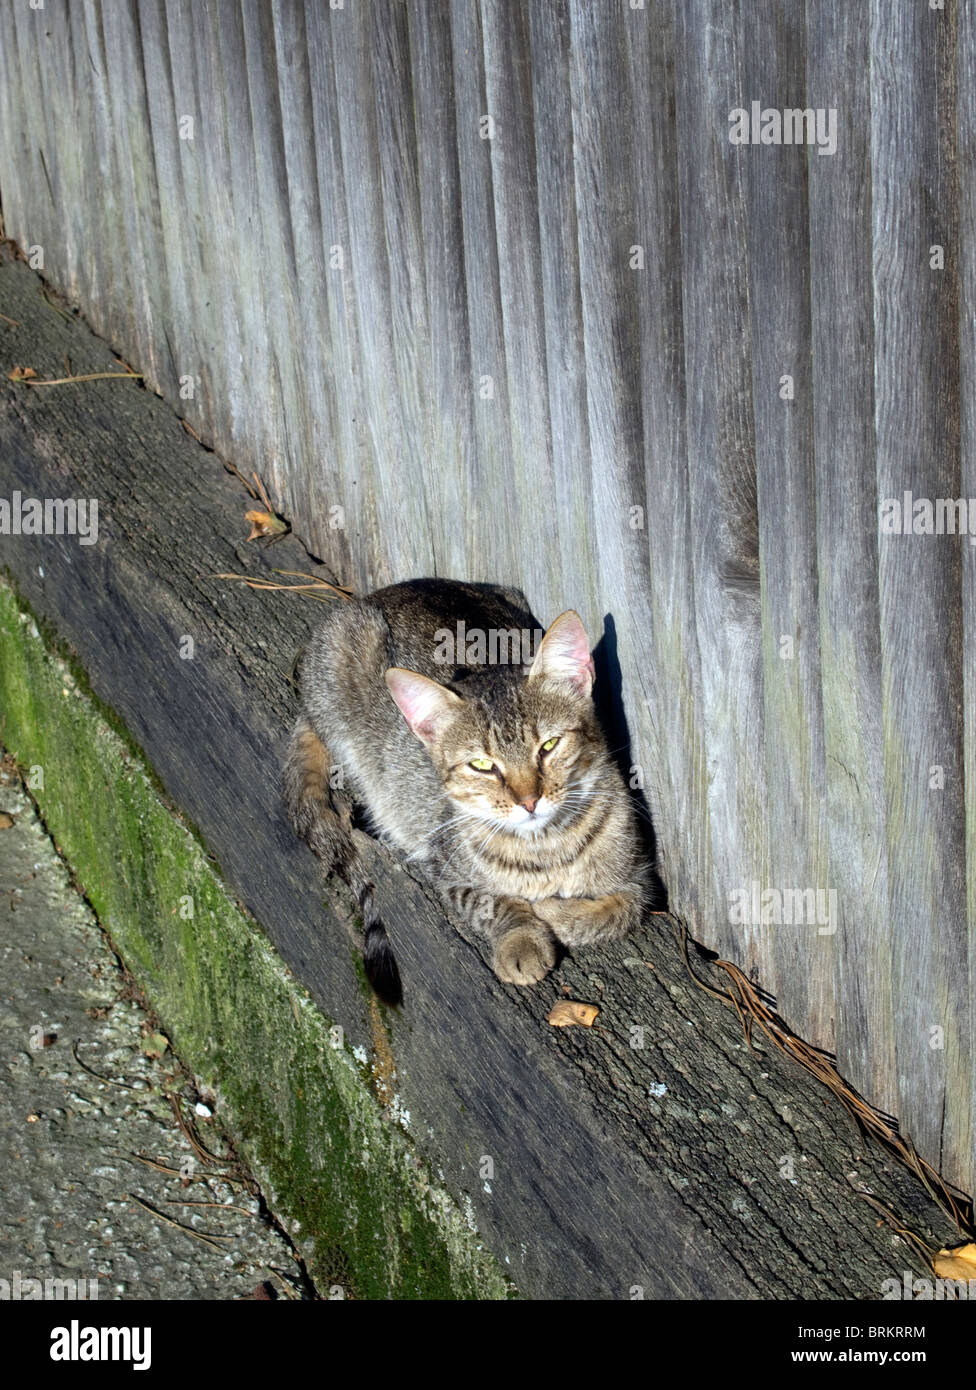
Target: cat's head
{"type": "Point", "coordinates": [517, 752]}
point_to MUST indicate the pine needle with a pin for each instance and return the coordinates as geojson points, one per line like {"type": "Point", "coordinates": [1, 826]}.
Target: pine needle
{"type": "Point", "coordinates": [88, 376]}
{"type": "Point", "coordinates": [221, 1206]}
{"type": "Point", "coordinates": [202, 1152]}
{"type": "Point", "coordinates": [109, 1080]}
{"type": "Point", "coordinates": [318, 589]}
{"type": "Point", "coordinates": [57, 308]}
{"type": "Point", "coordinates": [752, 1009]}
{"type": "Point", "coordinates": [208, 1238]}
{"type": "Point", "coordinates": [175, 1172]}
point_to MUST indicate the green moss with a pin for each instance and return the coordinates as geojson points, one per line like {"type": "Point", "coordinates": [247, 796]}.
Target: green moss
{"type": "Point", "coordinates": [344, 1180]}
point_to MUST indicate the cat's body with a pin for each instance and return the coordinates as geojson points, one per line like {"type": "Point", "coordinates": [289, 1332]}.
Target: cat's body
{"type": "Point", "coordinates": [495, 778]}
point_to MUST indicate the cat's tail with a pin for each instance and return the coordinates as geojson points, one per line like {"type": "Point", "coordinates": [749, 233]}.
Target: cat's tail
{"type": "Point", "coordinates": [322, 817]}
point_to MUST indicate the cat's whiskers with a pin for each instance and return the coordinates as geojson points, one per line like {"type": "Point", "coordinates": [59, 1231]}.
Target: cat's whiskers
{"type": "Point", "coordinates": [461, 844]}
{"type": "Point", "coordinates": [576, 796]}
{"type": "Point", "coordinates": [483, 845]}
{"type": "Point", "coordinates": [495, 827]}
{"type": "Point", "coordinates": [437, 830]}
{"type": "Point", "coordinates": [430, 834]}
{"type": "Point", "coordinates": [442, 826]}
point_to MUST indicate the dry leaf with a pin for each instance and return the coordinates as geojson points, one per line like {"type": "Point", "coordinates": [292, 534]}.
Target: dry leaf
{"type": "Point", "coordinates": [5, 821]}
{"type": "Point", "coordinates": [568, 1013]}
{"type": "Point", "coordinates": [21, 373]}
{"type": "Point", "coordinates": [956, 1264]}
{"type": "Point", "coordinates": [264, 524]}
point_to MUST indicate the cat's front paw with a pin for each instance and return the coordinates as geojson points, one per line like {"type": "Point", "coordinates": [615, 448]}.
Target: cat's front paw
{"type": "Point", "coordinates": [553, 910]}
{"type": "Point", "coordinates": [524, 955]}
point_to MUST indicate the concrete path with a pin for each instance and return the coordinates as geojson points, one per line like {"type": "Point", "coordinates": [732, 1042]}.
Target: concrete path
{"type": "Point", "coordinates": [71, 1184]}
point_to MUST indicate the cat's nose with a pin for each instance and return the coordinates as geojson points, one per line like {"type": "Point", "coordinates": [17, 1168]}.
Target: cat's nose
{"type": "Point", "coordinates": [530, 803]}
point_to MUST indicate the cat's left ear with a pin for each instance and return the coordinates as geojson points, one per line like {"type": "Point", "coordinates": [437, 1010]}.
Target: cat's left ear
{"type": "Point", "coordinates": [564, 655]}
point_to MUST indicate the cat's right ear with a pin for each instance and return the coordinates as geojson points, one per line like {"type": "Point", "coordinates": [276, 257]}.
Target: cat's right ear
{"type": "Point", "coordinates": [426, 706]}
{"type": "Point", "coordinates": [564, 655]}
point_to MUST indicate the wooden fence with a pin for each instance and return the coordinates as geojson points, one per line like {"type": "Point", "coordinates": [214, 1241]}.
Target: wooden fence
{"type": "Point", "coordinates": [496, 290]}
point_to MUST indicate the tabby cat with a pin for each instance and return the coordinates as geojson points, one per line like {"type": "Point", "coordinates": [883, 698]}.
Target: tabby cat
{"type": "Point", "coordinates": [495, 777]}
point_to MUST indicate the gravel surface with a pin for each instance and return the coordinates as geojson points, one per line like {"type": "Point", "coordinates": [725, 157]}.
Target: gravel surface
{"type": "Point", "coordinates": [69, 1175]}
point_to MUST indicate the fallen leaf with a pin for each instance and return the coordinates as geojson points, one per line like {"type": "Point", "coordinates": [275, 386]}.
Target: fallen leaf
{"type": "Point", "coordinates": [265, 524]}
{"type": "Point", "coordinates": [959, 1263]}
{"type": "Point", "coordinates": [568, 1013]}
{"type": "Point", "coordinates": [21, 373]}
{"type": "Point", "coordinates": [5, 821]}
{"type": "Point", "coordinates": [155, 1045]}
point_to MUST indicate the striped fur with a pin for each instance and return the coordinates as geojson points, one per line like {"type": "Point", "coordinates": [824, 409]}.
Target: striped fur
{"type": "Point", "coordinates": [532, 846]}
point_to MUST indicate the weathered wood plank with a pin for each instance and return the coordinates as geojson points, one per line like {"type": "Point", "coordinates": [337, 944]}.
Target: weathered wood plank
{"type": "Point", "coordinates": [604, 141]}
{"type": "Point", "coordinates": [838, 48]}
{"type": "Point", "coordinates": [176, 277]}
{"type": "Point", "coordinates": [311, 432]}
{"type": "Point", "coordinates": [721, 445]}
{"type": "Point", "coordinates": [137, 230]}
{"type": "Point", "coordinates": [798, 959]}
{"type": "Point", "coordinates": [569, 511]}
{"type": "Point", "coordinates": [508, 97]}
{"type": "Point", "coordinates": [402, 511]}
{"type": "Point", "coordinates": [405, 290]}
{"type": "Point", "coordinates": [664, 637]}
{"type": "Point", "coordinates": [450, 466]}
{"type": "Point", "coordinates": [917, 427]}
{"type": "Point", "coordinates": [966, 126]}
{"type": "Point", "coordinates": [496, 498]}
{"type": "Point", "coordinates": [344, 475]}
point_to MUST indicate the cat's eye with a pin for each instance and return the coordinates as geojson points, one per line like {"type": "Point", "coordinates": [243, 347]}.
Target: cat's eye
{"type": "Point", "coordinates": [550, 744]}
{"type": "Point", "coordinates": [481, 764]}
